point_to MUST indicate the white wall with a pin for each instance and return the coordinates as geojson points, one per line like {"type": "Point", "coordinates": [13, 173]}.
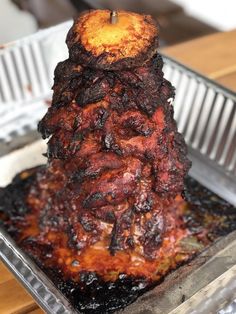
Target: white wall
{"type": "Point", "coordinates": [218, 13]}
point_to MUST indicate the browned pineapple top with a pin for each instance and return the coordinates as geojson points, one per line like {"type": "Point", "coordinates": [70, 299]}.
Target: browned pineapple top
{"type": "Point", "coordinates": [94, 41]}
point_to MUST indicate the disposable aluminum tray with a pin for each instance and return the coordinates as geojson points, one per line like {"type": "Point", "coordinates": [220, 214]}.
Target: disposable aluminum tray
{"type": "Point", "coordinates": [206, 115]}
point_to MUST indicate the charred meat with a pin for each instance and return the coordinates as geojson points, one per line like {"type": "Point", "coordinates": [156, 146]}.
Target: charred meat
{"type": "Point", "coordinates": [107, 209]}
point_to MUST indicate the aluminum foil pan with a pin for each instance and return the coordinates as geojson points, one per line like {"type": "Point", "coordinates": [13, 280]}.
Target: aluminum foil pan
{"type": "Point", "coordinates": [205, 114]}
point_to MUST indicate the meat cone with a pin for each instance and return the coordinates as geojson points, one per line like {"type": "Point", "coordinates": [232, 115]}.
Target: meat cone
{"type": "Point", "coordinates": [107, 202]}
{"type": "Point", "coordinates": [116, 160]}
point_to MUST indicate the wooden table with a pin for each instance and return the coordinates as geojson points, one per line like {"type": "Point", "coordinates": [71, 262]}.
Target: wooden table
{"type": "Point", "coordinates": [214, 56]}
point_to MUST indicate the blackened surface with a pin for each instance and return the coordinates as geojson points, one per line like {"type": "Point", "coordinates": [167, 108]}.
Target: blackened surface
{"type": "Point", "coordinates": [94, 296]}
{"type": "Point", "coordinates": [204, 201]}
{"type": "Point", "coordinates": [12, 200]}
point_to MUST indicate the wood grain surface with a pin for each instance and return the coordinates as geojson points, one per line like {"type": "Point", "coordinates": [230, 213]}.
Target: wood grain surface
{"type": "Point", "coordinates": [213, 56]}
{"type": "Point", "coordinates": [13, 297]}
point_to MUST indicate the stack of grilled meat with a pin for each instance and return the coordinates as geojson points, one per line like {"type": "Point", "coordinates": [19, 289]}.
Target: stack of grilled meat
{"type": "Point", "coordinates": [108, 202]}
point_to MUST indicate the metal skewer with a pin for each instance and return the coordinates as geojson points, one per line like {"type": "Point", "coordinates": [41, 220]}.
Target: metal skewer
{"type": "Point", "coordinates": [114, 17]}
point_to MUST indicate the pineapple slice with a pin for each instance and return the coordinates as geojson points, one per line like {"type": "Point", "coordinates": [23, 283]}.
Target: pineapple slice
{"type": "Point", "coordinates": [96, 42]}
